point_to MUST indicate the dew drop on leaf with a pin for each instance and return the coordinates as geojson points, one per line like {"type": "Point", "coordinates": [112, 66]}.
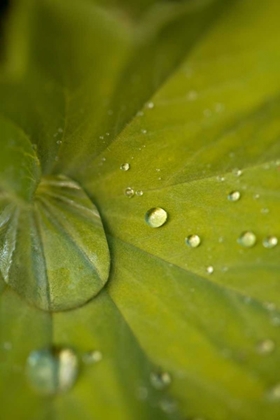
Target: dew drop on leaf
{"type": "Point", "coordinates": [92, 357]}
{"type": "Point", "coordinates": [265, 346]}
{"type": "Point", "coordinates": [129, 192]}
{"type": "Point", "coordinates": [234, 196]}
{"type": "Point", "coordinates": [193, 241]}
{"type": "Point", "coordinates": [125, 167]}
{"type": "Point", "coordinates": [270, 241]}
{"type": "Point", "coordinates": [210, 269]}
{"type": "Point", "coordinates": [274, 393]}
{"type": "Point", "coordinates": [247, 239]}
{"type": "Point", "coordinates": [139, 193]}
{"type": "Point", "coordinates": [156, 217]}
{"type": "Point", "coordinates": [160, 380]}
{"type": "Point", "coordinates": [52, 371]}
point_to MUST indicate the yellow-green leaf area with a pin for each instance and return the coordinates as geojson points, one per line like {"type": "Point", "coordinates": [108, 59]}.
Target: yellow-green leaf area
{"type": "Point", "coordinates": [54, 252]}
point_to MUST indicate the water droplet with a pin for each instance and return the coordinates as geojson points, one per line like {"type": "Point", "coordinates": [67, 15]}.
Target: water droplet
{"type": "Point", "coordinates": [207, 113]}
{"type": "Point", "coordinates": [247, 239]}
{"type": "Point", "coordinates": [60, 130]}
{"type": "Point", "coordinates": [125, 167]}
{"type": "Point", "coordinates": [237, 172]}
{"type": "Point", "coordinates": [167, 406]}
{"type": "Point", "coordinates": [265, 211]}
{"type": "Point", "coordinates": [210, 269]}
{"type": "Point", "coordinates": [192, 95]}
{"type": "Point", "coordinates": [59, 142]}
{"type": "Point", "coordinates": [144, 131]}
{"type": "Point", "coordinates": [7, 345]}
{"type": "Point", "coordinates": [158, 169]}
{"type": "Point", "coordinates": [150, 105]}
{"type": "Point", "coordinates": [234, 196]}
{"type": "Point", "coordinates": [270, 242]}
{"type": "Point", "coordinates": [219, 107]}
{"type": "Point", "coordinates": [140, 114]}
{"type": "Point", "coordinates": [275, 321]}
{"type": "Point", "coordinates": [274, 393]}
{"type": "Point", "coordinates": [129, 192]}
{"type": "Point", "coordinates": [91, 357]}
{"type": "Point", "coordinates": [50, 371]}
{"type": "Point", "coordinates": [270, 306]}
{"type": "Point", "coordinates": [220, 178]}
{"type": "Point", "coordinates": [193, 241]}
{"type": "Point", "coordinates": [139, 193]}
{"type": "Point", "coordinates": [156, 217]}
{"type": "Point", "coordinates": [265, 346]}
{"type": "Point", "coordinates": [142, 393]}
{"type": "Point", "coordinates": [160, 380]}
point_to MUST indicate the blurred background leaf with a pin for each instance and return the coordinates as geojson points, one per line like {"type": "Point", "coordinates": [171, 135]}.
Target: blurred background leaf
{"type": "Point", "coordinates": [186, 94]}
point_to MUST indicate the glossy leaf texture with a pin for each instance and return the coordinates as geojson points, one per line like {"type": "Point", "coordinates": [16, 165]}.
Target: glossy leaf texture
{"type": "Point", "coordinates": [167, 105]}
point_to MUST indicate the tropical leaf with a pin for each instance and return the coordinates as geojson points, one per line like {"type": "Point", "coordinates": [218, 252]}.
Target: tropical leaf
{"type": "Point", "coordinates": [158, 120]}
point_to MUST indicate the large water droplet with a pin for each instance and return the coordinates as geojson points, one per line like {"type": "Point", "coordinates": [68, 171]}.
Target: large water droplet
{"type": "Point", "coordinates": [51, 371]}
{"type": "Point", "coordinates": [270, 242]}
{"type": "Point", "coordinates": [125, 167]}
{"type": "Point", "coordinates": [156, 217]}
{"type": "Point", "coordinates": [193, 241]}
{"type": "Point", "coordinates": [234, 196]}
{"type": "Point", "coordinates": [265, 346]}
{"type": "Point", "coordinates": [160, 380]}
{"type": "Point", "coordinates": [247, 239]}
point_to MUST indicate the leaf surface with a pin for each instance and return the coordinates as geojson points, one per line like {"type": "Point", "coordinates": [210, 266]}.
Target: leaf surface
{"type": "Point", "coordinates": [192, 109]}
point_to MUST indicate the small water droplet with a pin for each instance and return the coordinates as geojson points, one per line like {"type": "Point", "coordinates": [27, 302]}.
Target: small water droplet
{"type": "Point", "coordinates": [101, 137]}
{"type": "Point", "coordinates": [156, 217]}
{"type": "Point", "coordinates": [140, 114]}
{"type": "Point", "coordinates": [270, 241]}
{"type": "Point", "coordinates": [247, 239]}
{"type": "Point", "coordinates": [150, 105]}
{"type": "Point", "coordinates": [207, 113]}
{"type": "Point", "coordinates": [59, 142]}
{"type": "Point", "coordinates": [220, 178]}
{"type": "Point", "coordinates": [158, 169]}
{"type": "Point", "coordinates": [265, 346]}
{"type": "Point", "coordinates": [92, 357]}
{"type": "Point", "coordinates": [193, 241]}
{"type": "Point", "coordinates": [144, 131]}
{"type": "Point", "coordinates": [142, 393]}
{"type": "Point", "coordinates": [125, 167]}
{"type": "Point", "coordinates": [167, 406]}
{"type": "Point", "coordinates": [60, 130]}
{"type": "Point", "coordinates": [129, 192]}
{"type": "Point", "coordinates": [139, 193]}
{"type": "Point", "coordinates": [219, 107]}
{"type": "Point", "coordinates": [210, 269]}
{"type": "Point", "coordinates": [256, 196]}
{"type": "Point", "coordinates": [270, 306]}
{"type": "Point", "coordinates": [237, 172]}
{"type": "Point", "coordinates": [265, 211]}
{"type": "Point", "coordinates": [192, 95]}
{"type": "Point", "coordinates": [234, 196]}
{"type": "Point", "coordinates": [274, 393]}
{"type": "Point", "coordinates": [7, 345]}
{"type": "Point", "coordinates": [50, 371]}
{"type": "Point", "coordinates": [160, 380]}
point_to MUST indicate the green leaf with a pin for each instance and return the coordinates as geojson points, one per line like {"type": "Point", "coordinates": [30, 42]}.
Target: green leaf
{"type": "Point", "coordinates": [144, 105]}
{"type": "Point", "coordinates": [19, 165]}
